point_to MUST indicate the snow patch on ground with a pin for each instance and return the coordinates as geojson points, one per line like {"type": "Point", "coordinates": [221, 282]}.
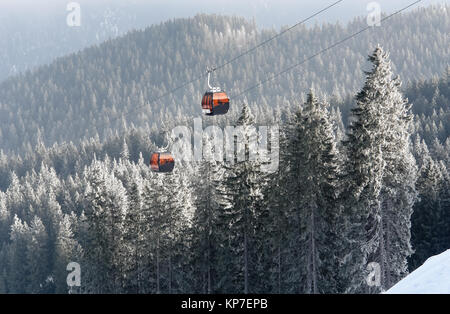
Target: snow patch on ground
{"type": "Point", "coordinates": [432, 277]}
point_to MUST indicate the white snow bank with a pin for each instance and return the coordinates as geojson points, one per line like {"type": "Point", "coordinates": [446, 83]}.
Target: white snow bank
{"type": "Point", "coordinates": [432, 277]}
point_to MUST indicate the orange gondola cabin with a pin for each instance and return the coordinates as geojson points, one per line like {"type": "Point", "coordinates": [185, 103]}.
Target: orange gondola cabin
{"type": "Point", "coordinates": [215, 101]}
{"type": "Point", "coordinates": [162, 162]}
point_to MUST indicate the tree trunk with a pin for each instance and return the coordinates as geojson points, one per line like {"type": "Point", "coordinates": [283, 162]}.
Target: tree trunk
{"type": "Point", "coordinates": [170, 273]}
{"type": "Point", "coordinates": [382, 258]}
{"type": "Point", "coordinates": [246, 262]}
{"type": "Point", "coordinates": [279, 266]}
{"type": "Point", "coordinates": [313, 254]}
{"type": "Point", "coordinates": [158, 291]}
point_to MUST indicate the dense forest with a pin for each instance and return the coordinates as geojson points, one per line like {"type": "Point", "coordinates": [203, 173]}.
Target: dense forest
{"type": "Point", "coordinates": [212, 227]}
{"type": "Point", "coordinates": [363, 172]}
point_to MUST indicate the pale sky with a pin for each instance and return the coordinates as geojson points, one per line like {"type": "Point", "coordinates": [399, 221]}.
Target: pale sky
{"type": "Point", "coordinates": [265, 12]}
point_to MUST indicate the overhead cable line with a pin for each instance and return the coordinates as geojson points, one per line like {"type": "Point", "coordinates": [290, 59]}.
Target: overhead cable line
{"type": "Point", "coordinates": [321, 51]}
{"type": "Point", "coordinates": [173, 90]}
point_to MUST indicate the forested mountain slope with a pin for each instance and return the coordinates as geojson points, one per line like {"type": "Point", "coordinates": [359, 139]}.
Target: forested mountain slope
{"type": "Point", "coordinates": [431, 127]}
{"type": "Point", "coordinates": [95, 91]}
{"type": "Point", "coordinates": [34, 34]}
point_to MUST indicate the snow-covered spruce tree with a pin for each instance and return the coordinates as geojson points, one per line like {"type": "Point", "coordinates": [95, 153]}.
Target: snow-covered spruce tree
{"type": "Point", "coordinates": [3, 270]}
{"type": "Point", "coordinates": [208, 190]}
{"type": "Point", "coordinates": [152, 229]}
{"type": "Point", "coordinates": [444, 225]}
{"type": "Point", "coordinates": [37, 257]}
{"type": "Point", "coordinates": [237, 222]}
{"type": "Point", "coordinates": [47, 186]}
{"type": "Point", "coordinates": [312, 190]}
{"type": "Point", "coordinates": [133, 236]}
{"type": "Point", "coordinates": [17, 271]}
{"type": "Point", "coordinates": [67, 250]}
{"type": "Point", "coordinates": [125, 153]}
{"type": "Point", "coordinates": [427, 213]}
{"type": "Point", "coordinates": [379, 180]}
{"type": "Point", "coordinates": [277, 235]}
{"type": "Point", "coordinates": [136, 244]}
{"type": "Point", "coordinates": [106, 205]}
{"type": "Point", "coordinates": [430, 220]}
{"type": "Point", "coordinates": [165, 203]}
{"type": "Point", "coordinates": [5, 224]}
{"type": "Point", "coordinates": [179, 214]}
{"type": "Point", "coordinates": [5, 219]}
{"type": "Point", "coordinates": [398, 192]}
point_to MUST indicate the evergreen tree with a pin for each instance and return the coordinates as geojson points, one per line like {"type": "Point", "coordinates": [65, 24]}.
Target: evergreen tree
{"type": "Point", "coordinates": [133, 234]}
{"type": "Point", "coordinates": [67, 250]}
{"type": "Point", "coordinates": [427, 214]}
{"type": "Point", "coordinates": [125, 153]}
{"type": "Point", "coordinates": [364, 173]}
{"type": "Point", "coordinates": [106, 204]}
{"type": "Point", "coordinates": [205, 238]}
{"type": "Point", "coordinates": [152, 233]}
{"type": "Point", "coordinates": [312, 190]}
{"type": "Point", "coordinates": [37, 258]}
{"type": "Point", "coordinates": [381, 176]}
{"type": "Point", "coordinates": [242, 208]}
{"type": "Point", "coordinates": [398, 192]}
{"type": "Point", "coordinates": [17, 266]}
{"type": "Point", "coordinates": [5, 220]}
{"type": "Point", "coordinates": [277, 205]}
{"type": "Point", "coordinates": [164, 209]}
